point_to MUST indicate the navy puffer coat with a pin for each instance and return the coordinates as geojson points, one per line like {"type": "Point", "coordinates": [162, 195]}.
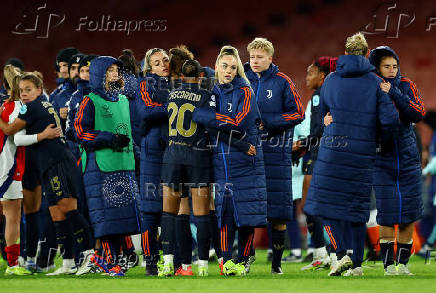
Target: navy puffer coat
{"type": "Point", "coordinates": [362, 113]}
{"type": "Point", "coordinates": [238, 175]}
{"type": "Point", "coordinates": [397, 175]}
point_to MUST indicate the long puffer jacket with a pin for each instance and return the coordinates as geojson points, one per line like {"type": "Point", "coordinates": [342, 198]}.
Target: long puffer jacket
{"type": "Point", "coordinates": [238, 175]}
{"type": "Point", "coordinates": [281, 109]}
{"type": "Point", "coordinates": [397, 175]}
{"type": "Point", "coordinates": [112, 197]}
{"type": "Point", "coordinates": [362, 113]}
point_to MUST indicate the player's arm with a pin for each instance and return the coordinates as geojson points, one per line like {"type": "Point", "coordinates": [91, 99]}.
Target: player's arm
{"type": "Point", "coordinates": [208, 117]}
{"type": "Point", "coordinates": [14, 127]}
{"type": "Point", "coordinates": [86, 135]}
{"type": "Point", "coordinates": [294, 112]}
{"type": "Point", "coordinates": [23, 139]}
{"type": "Point", "coordinates": [147, 108]}
{"type": "Point", "coordinates": [409, 104]}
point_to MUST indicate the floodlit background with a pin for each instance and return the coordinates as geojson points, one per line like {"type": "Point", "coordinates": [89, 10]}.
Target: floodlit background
{"type": "Point", "coordinates": [35, 31]}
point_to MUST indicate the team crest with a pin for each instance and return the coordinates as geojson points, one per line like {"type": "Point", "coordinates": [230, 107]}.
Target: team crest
{"type": "Point", "coordinates": [268, 94]}
{"type": "Point", "coordinates": [106, 111]}
{"type": "Point", "coordinates": [229, 107]}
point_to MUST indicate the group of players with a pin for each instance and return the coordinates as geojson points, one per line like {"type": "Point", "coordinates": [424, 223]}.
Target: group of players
{"type": "Point", "coordinates": [219, 144]}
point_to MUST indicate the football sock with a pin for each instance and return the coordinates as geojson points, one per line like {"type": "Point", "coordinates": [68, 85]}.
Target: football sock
{"type": "Point", "coordinates": [278, 245]}
{"type": "Point", "coordinates": [32, 233]}
{"type": "Point", "coordinates": [245, 243]}
{"type": "Point", "coordinates": [358, 241]}
{"type": "Point", "coordinates": [203, 236]}
{"type": "Point", "coordinates": [387, 252]}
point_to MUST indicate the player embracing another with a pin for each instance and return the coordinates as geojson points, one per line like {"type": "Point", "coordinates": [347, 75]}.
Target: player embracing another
{"type": "Point", "coordinates": [56, 168]}
{"type": "Point", "coordinates": [186, 161]}
{"type": "Point", "coordinates": [240, 191]}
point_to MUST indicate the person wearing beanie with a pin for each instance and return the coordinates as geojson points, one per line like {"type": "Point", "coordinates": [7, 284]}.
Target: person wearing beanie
{"type": "Point", "coordinates": [397, 175]}
{"type": "Point", "coordinates": [61, 67]}
{"type": "Point", "coordinates": [61, 100]}
{"type": "Point", "coordinates": [77, 97]}
{"type": "Point", "coordinates": [362, 115]}
{"type": "Point", "coordinates": [281, 109]}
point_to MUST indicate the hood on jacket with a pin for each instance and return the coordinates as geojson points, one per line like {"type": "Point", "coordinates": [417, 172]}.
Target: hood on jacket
{"type": "Point", "coordinates": [97, 77]}
{"type": "Point", "coordinates": [375, 58]}
{"type": "Point", "coordinates": [353, 65]}
{"type": "Point", "coordinates": [271, 71]}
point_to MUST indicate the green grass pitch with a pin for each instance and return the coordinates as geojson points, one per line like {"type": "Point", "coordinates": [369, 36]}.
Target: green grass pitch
{"type": "Point", "coordinates": [259, 280]}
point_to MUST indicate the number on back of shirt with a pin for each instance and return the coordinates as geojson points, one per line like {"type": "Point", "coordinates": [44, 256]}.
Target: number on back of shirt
{"type": "Point", "coordinates": [177, 117]}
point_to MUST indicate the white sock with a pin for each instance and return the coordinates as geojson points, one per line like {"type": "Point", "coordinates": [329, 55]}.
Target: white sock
{"type": "Point", "coordinates": [203, 263]}
{"type": "Point", "coordinates": [269, 251]}
{"type": "Point", "coordinates": [68, 263]}
{"type": "Point", "coordinates": [31, 259]}
{"type": "Point", "coordinates": [185, 266]}
{"type": "Point", "coordinates": [319, 253]}
{"type": "Point", "coordinates": [88, 252]}
{"type": "Point", "coordinates": [310, 250]}
{"type": "Point", "coordinates": [296, 251]}
{"type": "Point", "coordinates": [169, 258]}
{"type": "Point", "coordinates": [349, 251]}
{"type": "Point", "coordinates": [333, 258]}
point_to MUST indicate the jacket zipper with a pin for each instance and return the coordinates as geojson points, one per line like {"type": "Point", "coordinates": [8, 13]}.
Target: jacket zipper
{"type": "Point", "coordinates": [397, 169]}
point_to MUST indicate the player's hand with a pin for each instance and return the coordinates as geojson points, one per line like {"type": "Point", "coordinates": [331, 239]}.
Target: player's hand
{"type": "Point", "coordinates": [120, 141]}
{"type": "Point", "coordinates": [385, 86]}
{"type": "Point", "coordinates": [328, 119]}
{"type": "Point", "coordinates": [261, 126]}
{"type": "Point", "coordinates": [51, 132]}
{"type": "Point", "coordinates": [63, 112]}
{"type": "Point", "coordinates": [251, 151]}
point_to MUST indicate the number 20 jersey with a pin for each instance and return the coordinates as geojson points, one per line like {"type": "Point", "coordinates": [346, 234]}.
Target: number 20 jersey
{"type": "Point", "coordinates": [187, 141]}
{"type": "Point", "coordinates": [38, 114]}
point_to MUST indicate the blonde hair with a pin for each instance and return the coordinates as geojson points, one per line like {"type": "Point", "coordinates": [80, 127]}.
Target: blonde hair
{"type": "Point", "coordinates": [232, 51]}
{"type": "Point", "coordinates": [262, 44]}
{"type": "Point", "coordinates": [356, 45]}
{"type": "Point", "coordinates": [12, 75]}
{"type": "Point", "coordinates": [148, 54]}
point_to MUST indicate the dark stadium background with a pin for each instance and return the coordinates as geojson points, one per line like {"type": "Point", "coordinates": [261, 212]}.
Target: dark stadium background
{"type": "Point", "coordinates": [299, 30]}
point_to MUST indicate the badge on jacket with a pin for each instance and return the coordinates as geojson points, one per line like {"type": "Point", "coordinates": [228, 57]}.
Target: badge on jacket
{"type": "Point", "coordinates": [229, 107]}
{"type": "Point", "coordinates": [23, 109]}
{"type": "Point", "coordinates": [315, 100]}
{"type": "Point", "coordinates": [268, 94]}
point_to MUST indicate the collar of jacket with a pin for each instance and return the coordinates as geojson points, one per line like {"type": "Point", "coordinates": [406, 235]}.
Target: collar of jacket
{"type": "Point", "coordinates": [270, 72]}
{"type": "Point", "coordinates": [353, 65]}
